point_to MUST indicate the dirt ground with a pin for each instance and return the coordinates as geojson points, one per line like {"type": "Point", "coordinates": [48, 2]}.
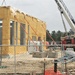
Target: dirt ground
{"type": "Point", "coordinates": [24, 63]}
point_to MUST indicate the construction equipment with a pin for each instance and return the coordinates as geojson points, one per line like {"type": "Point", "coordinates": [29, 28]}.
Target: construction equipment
{"type": "Point", "coordinates": [65, 12]}
{"type": "Point", "coordinates": [68, 43]}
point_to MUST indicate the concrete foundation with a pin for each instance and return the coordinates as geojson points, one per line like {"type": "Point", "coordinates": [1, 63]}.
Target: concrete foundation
{"type": "Point", "coordinates": [39, 54]}
{"type": "Point", "coordinates": [52, 54]}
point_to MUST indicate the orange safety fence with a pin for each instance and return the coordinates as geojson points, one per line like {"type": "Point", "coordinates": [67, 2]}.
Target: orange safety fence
{"type": "Point", "coordinates": [51, 72]}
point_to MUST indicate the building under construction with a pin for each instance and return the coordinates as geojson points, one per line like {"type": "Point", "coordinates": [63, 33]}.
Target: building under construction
{"type": "Point", "coordinates": [17, 28]}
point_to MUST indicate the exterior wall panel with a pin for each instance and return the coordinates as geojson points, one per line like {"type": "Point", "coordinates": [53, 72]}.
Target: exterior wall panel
{"type": "Point", "coordinates": [7, 14]}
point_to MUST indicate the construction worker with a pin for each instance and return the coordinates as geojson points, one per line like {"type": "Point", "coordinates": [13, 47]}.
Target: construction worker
{"type": "Point", "coordinates": [40, 44]}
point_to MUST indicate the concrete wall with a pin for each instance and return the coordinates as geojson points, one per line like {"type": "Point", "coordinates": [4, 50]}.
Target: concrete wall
{"type": "Point", "coordinates": [6, 15]}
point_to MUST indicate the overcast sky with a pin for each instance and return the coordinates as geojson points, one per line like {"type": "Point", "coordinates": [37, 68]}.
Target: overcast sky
{"type": "Point", "coordinates": [45, 10]}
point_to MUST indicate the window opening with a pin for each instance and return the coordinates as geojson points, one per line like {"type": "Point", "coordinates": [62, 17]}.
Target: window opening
{"type": "Point", "coordinates": [1, 32]}
{"type": "Point", "coordinates": [22, 34]}
{"type": "Point", "coordinates": [11, 32]}
{"type": "Point", "coordinates": [16, 33]}
{"type": "Point", "coordinates": [34, 38]}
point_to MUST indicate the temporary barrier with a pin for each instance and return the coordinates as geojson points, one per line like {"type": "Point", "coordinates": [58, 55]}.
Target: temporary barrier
{"type": "Point", "coordinates": [51, 72]}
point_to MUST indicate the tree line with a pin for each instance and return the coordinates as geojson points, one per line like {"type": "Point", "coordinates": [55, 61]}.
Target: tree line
{"type": "Point", "coordinates": [56, 35]}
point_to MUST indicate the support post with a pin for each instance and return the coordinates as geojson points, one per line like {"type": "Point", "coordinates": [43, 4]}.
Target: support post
{"type": "Point", "coordinates": [44, 66]}
{"type": "Point", "coordinates": [55, 66]}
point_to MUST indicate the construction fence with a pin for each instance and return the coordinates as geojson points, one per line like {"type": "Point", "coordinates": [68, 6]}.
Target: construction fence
{"type": "Point", "coordinates": [26, 64]}
{"type": "Point", "coordinates": [21, 64]}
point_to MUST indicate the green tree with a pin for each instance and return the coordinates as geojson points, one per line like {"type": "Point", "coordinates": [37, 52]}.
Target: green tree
{"type": "Point", "coordinates": [59, 34]}
{"type": "Point", "coordinates": [54, 35]}
{"type": "Point", "coordinates": [48, 35]}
